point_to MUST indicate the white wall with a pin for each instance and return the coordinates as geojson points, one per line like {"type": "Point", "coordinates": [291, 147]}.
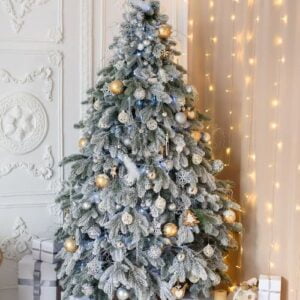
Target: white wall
{"type": "Point", "coordinates": [50, 51]}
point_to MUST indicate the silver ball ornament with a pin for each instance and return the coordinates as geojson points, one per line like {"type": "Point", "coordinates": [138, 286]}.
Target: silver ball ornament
{"type": "Point", "coordinates": [180, 117]}
{"type": "Point", "coordinates": [122, 294]}
{"type": "Point", "coordinates": [152, 124]}
{"type": "Point", "coordinates": [194, 279]}
{"type": "Point", "coordinates": [181, 256]}
{"type": "Point", "coordinates": [127, 218]}
{"type": "Point", "coordinates": [160, 203]}
{"type": "Point", "coordinates": [146, 43]}
{"type": "Point", "coordinates": [217, 166]}
{"type": "Point", "coordinates": [140, 47]}
{"type": "Point", "coordinates": [86, 205]}
{"type": "Point", "coordinates": [123, 117]}
{"type": "Point", "coordinates": [172, 207]}
{"type": "Point", "coordinates": [205, 137]}
{"type": "Point", "coordinates": [208, 251]}
{"type": "Point", "coordinates": [155, 252]}
{"type": "Point", "coordinates": [196, 159]}
{"type": "Point", "coordinates": [139, 94]}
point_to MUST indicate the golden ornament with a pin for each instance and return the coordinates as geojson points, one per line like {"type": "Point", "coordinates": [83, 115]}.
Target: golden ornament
{"type": "Point", "coordinates": [102, 181]}
{"type": "Point", "coordinates": [82, 142]}
{"type": "Point", "coordinates": [170, 230]}
{"type": "Point", "coordinates": [70, 245]}
{"type": "Point", "coordinates": [179, 291]}
{"type": "Point", "coordinates": [116, 87]}
{"type": "Point", "coordinates": [1, 257]}
{"type": "Point", "coordinates": [196, 135]}
{"type": "Point", "coordinates": [191, 115]}
{"type": "Point", "coordinates": [165, 31]}
{"type": "Point", "coordinates": [229, 216]}
{"type": "Point", "coordinates": [151, 175]}
{"type": "Point", "coordinates": [190, 219]}
{"type": "Point", "coordinates": [205, 137]}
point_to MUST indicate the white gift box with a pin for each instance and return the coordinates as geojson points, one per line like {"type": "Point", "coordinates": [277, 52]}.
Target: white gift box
{"type": "Point", "coordinates": [37, 280]}
{"type": "Point", "coordinates": [269, 287]}
{"type": "Point", "coordinates": [45, 250]}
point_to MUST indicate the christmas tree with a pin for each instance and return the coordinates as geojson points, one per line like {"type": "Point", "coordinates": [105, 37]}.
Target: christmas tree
{"type": "Point", "coordinates": [145, 216]}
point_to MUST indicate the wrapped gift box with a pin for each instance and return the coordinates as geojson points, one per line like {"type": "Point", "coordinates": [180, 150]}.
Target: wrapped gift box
{"type": "Point", "coordinates": [45, 250]}
{"type": "Point", "coordinates": [37, 280]}
{"type": "Point", "coordinates": [269, 287]}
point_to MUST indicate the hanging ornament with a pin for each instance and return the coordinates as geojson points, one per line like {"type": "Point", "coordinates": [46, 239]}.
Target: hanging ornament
{"type": "Point", "coordinates": [180, 256]}
{"type": "Point", "coordinates": [191, 115]}
{"type": "Point", "coordinates": [102, 181]}
{"type": "Point", "coordinates": [97, 105]}
{"type": "Point", "coordinates": [160, 203]}
{"type": "Point", "coordinates": [127, 142]}
{"type": "Point", "coordinates": [180, 118]}
{"type": "Point", "coordinates": [208, 251]}
{"type": "Point", "coordinates": [1, 257]}
{"type": "Point", "coordinates": [196, 135]}
{"type": "Point", "coordinates": [165, 31]}
{"type": "Point", "coordinates": [170, 230]}
{"type": "Point", "coordinates": [87, 289]}
{"type": "Point", "coordinates": [179, 291]}
{"type": "Point", "coordinates": [70, 245]}
{"type": "Point", "coordinates": [123, 117]}
{"type": "Point", "coordinates": [116, 87]}
{"type": "Point", "coordinates": [164, 114]}
{"type": "Point", "coordinates": [172, 207]}
{"type": "Point", "coordinates": [196, 159]}
{"type": "Point", "coordinates": [146, 43]}
{"type": "Point", "coordinates": [155, 252]}
{"type": "Point", "coordinates": [190, 219]}
{"type": "Point", "coordinates": [217, 166]}
{"type": "Point", "coordinates": [151, 175]}
{"type": "Point", "coordinates": [205, 137]}
{"type": "Point", "coordinates": [194, 279]}
{"type": "Point", "coordinates": [122, 294]}
{"type": "Point", "coordinates": [139, 94]}
{"type": "Point", "coordinates": [83, 142]}
{"type": "Point", "coordinates": [86, 205]}
{"type": "Point", "coordinates": [141, 47]}
{"type": "Point", "coordinates": [94, 232]}
{"type": "Point", "coordinates": [229, 216]}
{"type": "Point", "coordinates": [189, 89]}
{"type": "Point", "coordinates": [113, 172]}
{"type": "Point", "coordinates": [192, 190]}
{"type": "Point", "coordinates": [127, 218]}
{"type": "Point", "coordinates": [152, 124]}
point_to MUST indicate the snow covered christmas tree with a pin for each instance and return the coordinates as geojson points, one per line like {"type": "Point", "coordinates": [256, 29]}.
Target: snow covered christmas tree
{"type": "Point", "coordinates": [145, 216]}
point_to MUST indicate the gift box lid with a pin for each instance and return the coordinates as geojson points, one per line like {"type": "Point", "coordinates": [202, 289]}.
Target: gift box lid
{"type": "Point", "coordinates": [47, 245]}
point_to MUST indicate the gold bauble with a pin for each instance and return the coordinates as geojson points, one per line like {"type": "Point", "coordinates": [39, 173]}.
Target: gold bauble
{"type": "Point", "coordinates": [205, 137]}
{"type": "Point", "coordinates": [179, 291]}
{"type": "Point", "coordinates": [229, 216]}
{"type": "Point", "coordinates": [102, 181]}
{"type": "Point", "coordinates": [151, 175]}
{"type": "Point", "coordinates": [190, 219]}
{"type": "Point", "coordinates": [116, 87]}
{"type": "Point", "coordinates": [191, 115]}
{"type": "Point", "coordinates": [70, 245]}
{"type": "Point", "coordinates": [1, 257]}
{"type": "Point", "coordinates": [165, 31]}
{"type": "Point", "coordinates": [82, 142]}
{"type": "Point", "coordinates": [196, 135]}
{"type": "Point", "coordinates": [170, 230]}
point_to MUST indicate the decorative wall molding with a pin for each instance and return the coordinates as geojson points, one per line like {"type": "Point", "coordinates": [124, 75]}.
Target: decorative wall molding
{"type": "Point", "coordinates": [18, 10]}
{"type": "Point", "coordinates": [55, 58]}
{"type": "Point", "coordinates": [19, 244]}
{"type": "Point", "coordinates": [23, 122]}
{"type": "Point", "coordinates": [55, 35]}
{"type": "Point", "coordinates": [43, 73]}
{"type": "Point", "coordinates": [44, 170]}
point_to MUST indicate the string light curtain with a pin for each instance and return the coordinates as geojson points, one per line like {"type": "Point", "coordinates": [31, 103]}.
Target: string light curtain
{"type": "Point", "coordinates": [244, 60]}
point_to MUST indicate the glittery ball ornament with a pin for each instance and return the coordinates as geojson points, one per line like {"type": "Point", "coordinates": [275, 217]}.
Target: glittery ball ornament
{"type": "Point", "coordinates": [208, 251]}
{"type": "Point", "coordinates": [70, 245]}
{"type": "Point", "coordinates": [127, 218]}
{"type": "Point", "coordinates": [116, 87]}
{"type": "Point", "coordinates": [165, 31]}
{"type": "Point", "coordinates": [170, 230]}
{"type": "Point", "coordinates": [102, 181]}
{"type": "Point", "coordinates": [155, 252]}
{"type": "Point", "coordinates": [82, 142]}
{"type": "Point", "coordinates": [229, 216]}
{"type": "Point", "coordinates": [180, 118]}
{"type": "Point", "coordinates": [139, 94]}
{"type": "Point", "coordinates": [123, 117]}
{"type": "Point", "coordinates": [196, 159]}
{"type": "Point", "coordinates": [196, 135]}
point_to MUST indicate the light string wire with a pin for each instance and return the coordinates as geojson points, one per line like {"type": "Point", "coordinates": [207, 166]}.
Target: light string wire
{"type": "Point", "coordinates": [278, 41]}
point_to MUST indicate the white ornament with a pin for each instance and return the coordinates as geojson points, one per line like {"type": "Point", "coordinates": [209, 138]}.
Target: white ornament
{"type": "Point", "coordinates": [229, 216]}
{"type": "Point", "coordinates": [180, 118]}
{"type": "Point", "coordinates": [196, 159]}
{"type": "Point", "coordinates": [152, 124]}
{"type": "Point", "coordinates": [172, 207]}
{"type": "Point", "coordinates": [217, 166]}
{"type": "Point", "coordinates": [205, 137]}
{"type": "Point", "coordinates": [127, 218]}
{"type": "Point", "coordinates": [97, 105]}
{"type": "Point", "coordinates": [160, 203]}
{"type": "Point", "coordinates": [154, 252]}
{"type": "Point", "coordinates": [94, 232]}
{"type": "Point", "coordinates": [146, 42]}
{"type": "Point", "coordinates": [86, 205]}
{"type": "Point", "coordinates": [139, 94]}
{"type": "Point", "coordinates": [141, 47]}
{"type": "Point", "coordinates": [181, 256]}
{"type": "Point", "coordinates": [194, 279]}
{"type": "Point", "coordinates": [122, 294]}
{"type": "Point", "coordinates": [189, 88]}
{"type": "Point", "coordinates": [123, 117]}
{"type": "Point", "coordinates": [192, 190]}
{"type": "Point", "coordinates": [88, 290]}
{"type": "Point", "coordinates": [208, 251]}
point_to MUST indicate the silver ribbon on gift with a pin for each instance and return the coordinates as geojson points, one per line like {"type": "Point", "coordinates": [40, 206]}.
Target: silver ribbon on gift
{"type": "Point", "coordinates": [36, 282]}
{"type": "Point", "coordinates": [40, 250]}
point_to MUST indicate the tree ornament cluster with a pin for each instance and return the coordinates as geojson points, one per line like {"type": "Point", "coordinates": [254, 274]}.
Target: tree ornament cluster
{"type": "Point", "coordinates": [144, 215]}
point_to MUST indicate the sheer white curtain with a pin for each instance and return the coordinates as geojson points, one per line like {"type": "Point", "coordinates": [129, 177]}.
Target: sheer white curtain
{"type": "Point", "coordinates": [244, 59]}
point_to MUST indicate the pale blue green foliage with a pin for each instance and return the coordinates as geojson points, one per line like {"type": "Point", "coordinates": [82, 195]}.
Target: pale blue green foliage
{"type": "Point", "coordinates": [126, 135]}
